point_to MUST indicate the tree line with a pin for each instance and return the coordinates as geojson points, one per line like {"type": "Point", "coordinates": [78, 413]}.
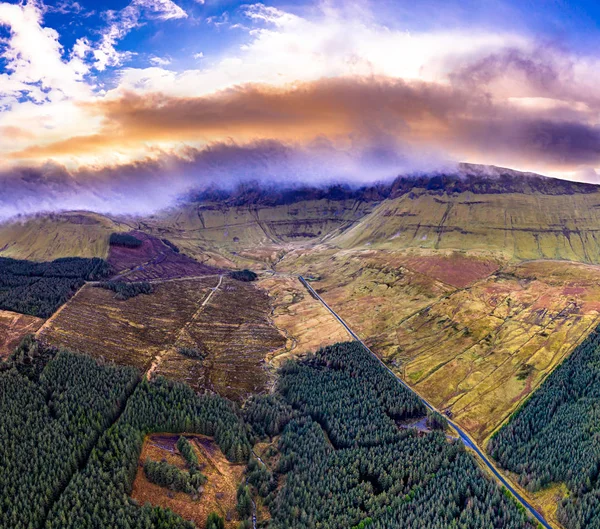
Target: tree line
{"type": "Point", "coordinates": [38, 289]}
{"type": "Point", "coordinates": [98, 496]}
{"type": "Point", "coordinates": [125, 290]}
{"type": "Point", "coordinates": [344, 462]}
{"type": "Point", "coordinates": [51, 418]}
{"type": "Point", "coordinates": [554, 437]}
{"type": "Point", "coordinates": [124, 239]}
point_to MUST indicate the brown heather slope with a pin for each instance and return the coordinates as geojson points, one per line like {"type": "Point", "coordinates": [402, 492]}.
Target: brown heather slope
{"type": "Point", "coordinates": [13, 327]}
{"type": "Point", "coordinates": [227, 319]}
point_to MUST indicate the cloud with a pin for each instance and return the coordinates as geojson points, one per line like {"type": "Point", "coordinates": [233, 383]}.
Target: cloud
{"type": "Point", "coordinates": [149, 185]}
{"type": "Point", "coordinates": [160, 61]}
{"type": "Point", "coordinates": [351, 112]}
{"type": "Point", "coordinates": [65, 7]}
{"type": "Point", "coordinates": [335, 94]}
{"type": "Point", "coordinates": [120, 23]}
{"type": "Point", "coordinates": [34, 64]}
{"type": "Point", "coordinates": [270, 15]}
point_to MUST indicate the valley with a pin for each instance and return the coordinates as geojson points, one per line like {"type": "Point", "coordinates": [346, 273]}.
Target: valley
{"type": "Point", "coordinates": [472, 312]}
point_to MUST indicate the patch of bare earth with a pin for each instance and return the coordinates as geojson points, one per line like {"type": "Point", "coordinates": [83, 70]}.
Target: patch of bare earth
{"type": "Point", "coordinates": [13, 327]}
{"type": "Point", "coordinates": [218, 494]}
{"type": "Point", "coordinates": [132, 331]}
{"type": "Point", "coordinates": [235, 330]}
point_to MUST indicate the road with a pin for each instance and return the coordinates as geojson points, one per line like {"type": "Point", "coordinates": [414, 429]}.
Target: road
{"type": "Point", "coordinates": [466, 439]}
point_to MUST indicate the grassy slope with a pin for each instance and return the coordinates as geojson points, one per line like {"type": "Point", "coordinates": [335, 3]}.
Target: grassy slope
{"type": "Point", "coordinates": [247, 235]}
{"type": "Point", "coordinates": [479, 348]}
{"type": "Point", "coordinates": [45, 238]}
{"type": "Point", "coordinates": [518, 226]}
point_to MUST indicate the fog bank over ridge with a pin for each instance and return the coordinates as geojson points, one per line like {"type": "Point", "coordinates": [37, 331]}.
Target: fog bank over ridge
{"type": "Point", "coordinates": [146, 187]}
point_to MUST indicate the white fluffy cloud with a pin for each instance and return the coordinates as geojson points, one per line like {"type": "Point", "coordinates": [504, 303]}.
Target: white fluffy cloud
{"type": "Point", "coordinates": [503, 70]}
{"type": "Point", "coordinates": [120, 23]}
{"type": "Point", "coordinates": [34, 59]}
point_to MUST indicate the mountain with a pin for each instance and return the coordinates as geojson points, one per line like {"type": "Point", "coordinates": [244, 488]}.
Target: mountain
{"type": "Point", "coordinates": [517, 215]}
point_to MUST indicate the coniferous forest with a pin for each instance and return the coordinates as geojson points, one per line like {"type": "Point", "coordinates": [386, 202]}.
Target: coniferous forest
{"type": "Point", "coordinates": [73, 430]}
{"type": "Point", "coordinates": [345, 463]}
{"type": "Point", "coordinates": [554, 436]}
{"type": "Point", "coordinates": [38, 289]}
{"type": "Point", "coordinates": [49, 424]}
{"type": "Point", "coordinates": [98, 496]}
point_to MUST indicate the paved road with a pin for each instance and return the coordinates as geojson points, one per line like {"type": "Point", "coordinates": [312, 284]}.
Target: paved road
{"type": "Point", "coordinates": [466, 439]}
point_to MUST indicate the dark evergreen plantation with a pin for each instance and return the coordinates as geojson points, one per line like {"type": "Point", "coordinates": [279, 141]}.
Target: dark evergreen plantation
{"type": "Point", "coordinates": [124, 290]}
{"type": "Point", "coordinates": [124, 239]}
{"type": "Point", "coordinates": [344, 463]}
{"type": "Point", "coordinates": [51, 418]}
{"type": "Point", "coordinates": [554, 437]}
{"type": "Point", "coordinates": [73, 429]}
{"type": "Point", "coordinates": [171, 477]}
{"type": "Point", "coordinates": [98, 495]}
{"type": "Point", "coordinates": [39, 289]}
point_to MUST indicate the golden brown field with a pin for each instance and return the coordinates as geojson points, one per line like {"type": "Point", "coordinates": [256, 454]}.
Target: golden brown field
{"type": "Point", "coordinates": [477, 349]}
{"type": "Point", "coordinates": [219, 492]}
{"type": "Point", "coordinates": [306, 323]}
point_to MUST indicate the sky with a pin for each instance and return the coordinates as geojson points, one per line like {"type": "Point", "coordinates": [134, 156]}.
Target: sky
{"type": "Point", "coordinates": [123, 105]}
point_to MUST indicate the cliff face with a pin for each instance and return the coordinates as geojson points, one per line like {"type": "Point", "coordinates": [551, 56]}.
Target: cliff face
{"type": "Point", "coordinates": [519, 225]}
{"type": "Point", "coordinates": [518, 215]}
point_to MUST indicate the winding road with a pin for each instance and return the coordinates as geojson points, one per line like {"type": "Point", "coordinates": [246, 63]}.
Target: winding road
{"type": "Point", "coordinates": [465, 438]}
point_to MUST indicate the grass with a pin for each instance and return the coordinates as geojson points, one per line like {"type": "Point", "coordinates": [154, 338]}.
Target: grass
{"type": "Point", "coordinates": [307, 325]}
{"type": "Point", "coordinates": [45, 238]}
{"type": "Point", "coordinates": [219, 492]}
{"type": "Point", "coordinates": [519, 226]}
{"type": "Point", "coordinates": [479, 346]}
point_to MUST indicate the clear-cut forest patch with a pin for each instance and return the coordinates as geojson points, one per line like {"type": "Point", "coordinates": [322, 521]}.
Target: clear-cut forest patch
{"type": "Point", "coordinates": [13, 327]}
{"type": "Point", "coordinates": [232, 328]}
{"type": "Point", "coordinates": [218, 494]}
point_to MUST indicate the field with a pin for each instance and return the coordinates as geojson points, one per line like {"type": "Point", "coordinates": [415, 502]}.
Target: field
{"type": "Point", "coordinates": [235, 329]}
{"type": "Point", "coordinates": [153, 260]}
{"type": "Point", "coordinates": [374, 290]}
{"type": "Point", "coordinates": [306, 323]}
{"type": "Point", "coordinates": [226, 318]}
{"type": "Point", "coordinates": [13, 327]}
{"type": "Point", "coordinates": [219, 494]}
{"type": "Point", "coordinates": [479, 347]}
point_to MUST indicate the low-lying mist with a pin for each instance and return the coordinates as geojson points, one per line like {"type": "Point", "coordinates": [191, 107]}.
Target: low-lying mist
{"type": "Point", "coordinates": [149, 186]}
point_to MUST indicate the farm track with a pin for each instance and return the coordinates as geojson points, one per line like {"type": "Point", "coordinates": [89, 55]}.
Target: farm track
{"type": "Point", "coordinates": [465, 438]}
{"type": "Point", "coordinates": [49, 321]}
